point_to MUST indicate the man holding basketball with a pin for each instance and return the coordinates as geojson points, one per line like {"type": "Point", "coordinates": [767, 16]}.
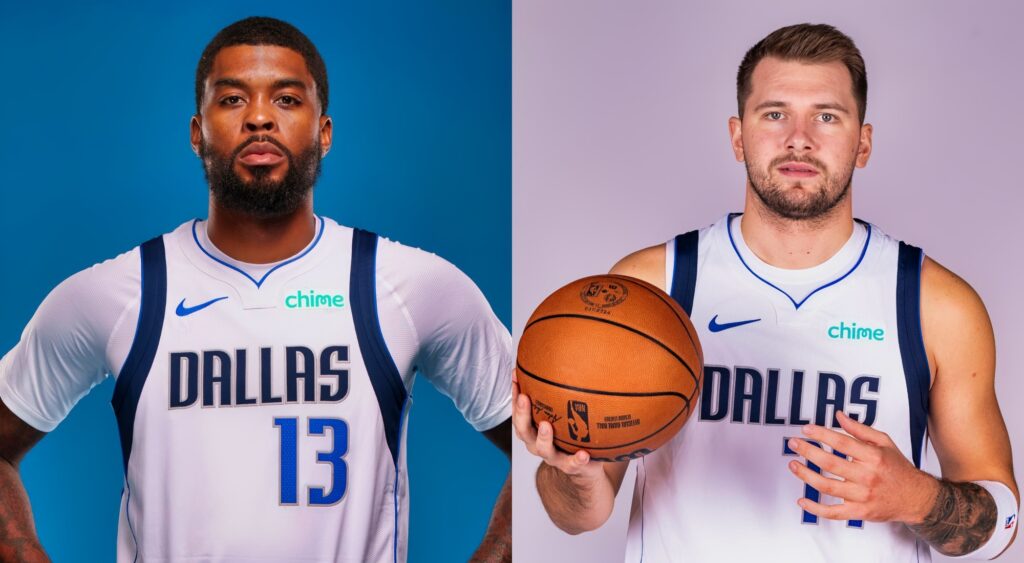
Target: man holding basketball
{"type": "Point", "coordinates": [832, 352]}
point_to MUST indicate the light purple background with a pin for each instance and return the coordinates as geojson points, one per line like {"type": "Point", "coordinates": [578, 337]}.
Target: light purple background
{"type": "Point", "coordinates": [620, 142]}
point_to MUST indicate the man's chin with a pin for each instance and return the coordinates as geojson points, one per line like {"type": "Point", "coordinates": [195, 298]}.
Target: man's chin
{"type": "Point", "coordinates": [274, 174]}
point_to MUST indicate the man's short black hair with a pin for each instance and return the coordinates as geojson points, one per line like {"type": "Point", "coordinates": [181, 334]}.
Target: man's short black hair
{"type": "Point", "coordinates": [263, 31]}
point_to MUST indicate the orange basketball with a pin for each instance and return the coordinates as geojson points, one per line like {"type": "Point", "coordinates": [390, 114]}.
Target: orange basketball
{"type": "Point", "coordinates": [613, 363]}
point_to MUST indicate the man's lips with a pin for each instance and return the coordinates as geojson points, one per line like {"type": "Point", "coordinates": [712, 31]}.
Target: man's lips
{"type": "Point", "coordinates": [261, 154]}
{"type": "Point", "coordinates": [797, 170]}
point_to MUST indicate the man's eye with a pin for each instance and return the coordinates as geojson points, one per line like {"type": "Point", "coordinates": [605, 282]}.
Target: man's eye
{"type": "Point", "coordinates": [231, 100]}
{"type": "Point", "coordinates": [289, 100]}
{"type": "Point", "coordinates": [774, 115]}
{"type": "Point", "coordinates": [827, 117]}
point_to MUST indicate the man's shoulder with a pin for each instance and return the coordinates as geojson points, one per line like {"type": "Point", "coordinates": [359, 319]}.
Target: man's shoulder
{"type": "Point", "coordinates": [945, 292]}
{"type": "Point", "coordinates": [647, 264]}
{"type": "Point", "coordinates": [385, 245]}
{"type": "Point", "coordinates": [126, 266]}
{"type": "Point", "coordinates": [405, 266]}
{"type": "Point", "coordinates": [112, 283]}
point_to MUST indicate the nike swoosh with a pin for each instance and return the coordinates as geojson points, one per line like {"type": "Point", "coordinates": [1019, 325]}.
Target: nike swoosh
{"type": "Point", "coordinates": [713, 326]}
{"type": "Point", "coordinates": [184, 311]}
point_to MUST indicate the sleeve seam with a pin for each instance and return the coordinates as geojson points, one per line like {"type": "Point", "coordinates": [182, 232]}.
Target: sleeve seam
{"type": "Point", "coordinates": [20, 408]}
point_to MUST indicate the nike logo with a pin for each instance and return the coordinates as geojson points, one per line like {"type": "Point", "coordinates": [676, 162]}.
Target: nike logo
{"type": "Point", "coordinates": [713, 326]}
{"type": "Point", "coordinates": [184, 311]}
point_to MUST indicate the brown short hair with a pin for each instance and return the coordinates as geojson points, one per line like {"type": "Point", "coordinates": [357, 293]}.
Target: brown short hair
{"type": "Point", "coordinates": [815, 43]}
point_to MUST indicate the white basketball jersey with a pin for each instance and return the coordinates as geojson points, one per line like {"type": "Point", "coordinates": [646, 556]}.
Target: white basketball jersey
{"type": "Point", "coordinates": [261, 419]}
{"type": "Point", "coordinates": [783, 348]}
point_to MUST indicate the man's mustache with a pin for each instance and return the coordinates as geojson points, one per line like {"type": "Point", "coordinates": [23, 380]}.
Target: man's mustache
{"type": "Point", "coordinates": [261, 139]}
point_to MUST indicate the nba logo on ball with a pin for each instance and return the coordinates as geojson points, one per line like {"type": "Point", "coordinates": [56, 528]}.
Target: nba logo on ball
{"type": "Point", "coordinates": [604, 294]}
{"type": "Point", "coordinates": [579, 423]}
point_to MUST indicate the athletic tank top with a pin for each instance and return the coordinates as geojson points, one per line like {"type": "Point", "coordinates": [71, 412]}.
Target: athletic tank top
{"type": "Point", "coordinates": [261, 421]}
{"type": "Point", "coordinates": [783, 348]}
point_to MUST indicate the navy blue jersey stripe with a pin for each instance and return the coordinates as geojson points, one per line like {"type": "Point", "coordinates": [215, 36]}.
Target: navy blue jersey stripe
{"type": "Point", "coordinates": [136, 367]}
{"type": "Point", "coordinates": [684, 273]}
{"type": "Point", "coordinates": [387, 382]}
{"type": "Point", "coordinates": [915, 360]}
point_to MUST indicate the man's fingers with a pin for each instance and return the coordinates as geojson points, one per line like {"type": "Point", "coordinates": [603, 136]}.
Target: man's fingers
{"type": "Point", "coordinates": [832, 487]}
{"type": "Point", "coordinates": [861, 431]}
{"type": "Point", "coordinates": [523, 422]}
{"type": "Point", "coordinates": [540, 439]}
{"type": "Point", "coordinates": [839, 441]}
{"type": "Point", "coordinates": [845, 511]}
{"type": "Point", "coordinates": [827, 461]}
{"type": "Point", "coordinates": [546, 442]}
{"type": "Point", "coordinates": [570, 464]}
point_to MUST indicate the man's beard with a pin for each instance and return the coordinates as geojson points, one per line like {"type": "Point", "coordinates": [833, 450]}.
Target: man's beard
{"type": "Point", "coordinates": [261, 197]}
{"type": "Point", "coordinates": [793, 205]}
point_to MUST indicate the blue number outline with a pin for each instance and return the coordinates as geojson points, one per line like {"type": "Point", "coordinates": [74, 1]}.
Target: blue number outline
{"type": "Point", "coordinates": [335, 457]}
{"type": "Point", "coordinates": [810, 493]}
{"type": "Point", "coordinates": [288, 467]}
{"type": "Point", "coordinates": [288, 457]}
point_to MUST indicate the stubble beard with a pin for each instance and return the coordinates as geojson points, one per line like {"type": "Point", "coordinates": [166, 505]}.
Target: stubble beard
{"type": "Point", "coordinates": [799, 202]}
{"type": "Point", "coordinates": [261, 197]}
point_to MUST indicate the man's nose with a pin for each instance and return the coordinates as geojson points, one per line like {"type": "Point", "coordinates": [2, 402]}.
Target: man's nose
{"type": "Point", "coordinates": [259, 118]}
{"type": "Point", "coordinates": [799, 139]}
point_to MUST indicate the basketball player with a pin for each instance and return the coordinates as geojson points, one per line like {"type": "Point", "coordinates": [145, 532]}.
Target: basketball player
{"type": "Point", "coordinates": [263, 357]}
{"type": "Point", "coordinates": [831, 352]}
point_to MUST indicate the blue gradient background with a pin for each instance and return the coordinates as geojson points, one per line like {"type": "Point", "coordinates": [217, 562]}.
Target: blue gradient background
{"type": "Point", "coordinates": [96, 159]}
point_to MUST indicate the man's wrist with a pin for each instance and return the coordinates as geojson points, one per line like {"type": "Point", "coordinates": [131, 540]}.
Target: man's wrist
{"type": "Point", "coordinates": [925, 492]}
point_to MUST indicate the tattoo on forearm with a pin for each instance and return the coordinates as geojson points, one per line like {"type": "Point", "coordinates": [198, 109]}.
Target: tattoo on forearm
{"type": "Point", "coordinates": [961, 521]}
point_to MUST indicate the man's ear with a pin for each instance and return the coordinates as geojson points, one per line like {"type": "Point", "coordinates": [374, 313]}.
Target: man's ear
{"type": "Point", "coordinates": [195, 133]}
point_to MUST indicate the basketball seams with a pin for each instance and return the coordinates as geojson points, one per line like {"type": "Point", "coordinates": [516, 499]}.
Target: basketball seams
{"type": "Point", "coordinates": [622, 326]}
{"type": "Point", "coordinates": [685, 409]}
{"type": "Point", "coordinates": [672, 305]}
{"type": "Point", "coordinates": [601, 392]}
{"type": "Point", "coordinates": [657, 293]}
{"type": "Point", "coordinates": [643, 319]}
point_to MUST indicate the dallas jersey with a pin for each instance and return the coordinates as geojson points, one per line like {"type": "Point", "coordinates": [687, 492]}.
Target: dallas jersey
{"type": "Point", "coordinates": [262, 409]}
{"type": "Point", "coordinates": [783, 348]}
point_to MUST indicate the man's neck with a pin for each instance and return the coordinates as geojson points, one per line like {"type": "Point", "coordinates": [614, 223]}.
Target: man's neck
{"type": "Point", "coordinates": [261, 240]}
{"type": "Point", "coordinates": [795, 244]}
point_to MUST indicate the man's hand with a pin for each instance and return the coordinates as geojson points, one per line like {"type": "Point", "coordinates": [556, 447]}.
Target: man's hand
{"type": "Point", "coordinates": [539, 441]}
{"type": "Point", "coordinates": [578, 494]}
{"type": "Point", "coordinates": [878, 484]}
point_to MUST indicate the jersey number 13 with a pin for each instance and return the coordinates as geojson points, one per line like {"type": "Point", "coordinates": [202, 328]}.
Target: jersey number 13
{"type": "Point", "coordinates": [289, 487]}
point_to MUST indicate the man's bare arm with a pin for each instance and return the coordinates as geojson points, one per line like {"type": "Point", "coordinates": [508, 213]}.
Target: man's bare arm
{"type": "Point", "coordinates": [961, 520]}
{"type": "Point", "coordinates": [497, 543]}
{"type": "Point", "coordinates": [18, 540]}
{"type": "Point", "coordinates": [580, 502]}
{"type": "Point", "coordinates": [961, 351]}
{"type": "Point", "coordinates": [579, 494]}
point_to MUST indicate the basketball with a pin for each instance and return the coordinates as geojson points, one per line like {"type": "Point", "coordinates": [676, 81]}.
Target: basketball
{"type": "Point", "coordinates": [613, 363]}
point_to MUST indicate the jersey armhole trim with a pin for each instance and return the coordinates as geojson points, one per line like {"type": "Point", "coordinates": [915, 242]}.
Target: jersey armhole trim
{"type": "Point", "coordinates": [121, 320]}
{"type": "Point", "coordinates": [384, 376]}
{"type": "Point", "coordinates": [393, 295]}
{"type": "Point", "coordinates": [911, 341]}
{"type": "Point", "coordinates": [132, 377]}
{"type": "Point", "coordinates": [684, 272]}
